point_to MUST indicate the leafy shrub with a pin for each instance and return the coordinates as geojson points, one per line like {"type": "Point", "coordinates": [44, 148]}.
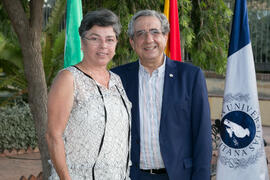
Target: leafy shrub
{"type": "Point", "coordinates": [17, 130]}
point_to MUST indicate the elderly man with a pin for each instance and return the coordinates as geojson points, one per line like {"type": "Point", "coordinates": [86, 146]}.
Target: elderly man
{"type": "Point", "coordinates": [171, 127]}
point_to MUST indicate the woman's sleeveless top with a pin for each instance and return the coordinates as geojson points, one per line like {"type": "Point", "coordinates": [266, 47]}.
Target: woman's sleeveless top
{"type": "Point", "coordinates": [85, 128]}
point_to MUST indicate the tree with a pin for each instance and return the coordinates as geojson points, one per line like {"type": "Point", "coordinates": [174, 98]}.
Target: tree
{"type": "Point", "coordinates": [28, 27]}
{"type": "Point", "coordinates": [52, 43]}
{"type": "Point", "coordinates": [210, 19]}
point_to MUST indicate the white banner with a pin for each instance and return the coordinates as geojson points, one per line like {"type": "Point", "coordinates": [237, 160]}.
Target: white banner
{"type": "Point", "coordinates": [241, 150]}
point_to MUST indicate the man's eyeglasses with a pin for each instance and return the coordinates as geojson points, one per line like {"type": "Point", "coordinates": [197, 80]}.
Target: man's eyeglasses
{"type": "Point", "coordinates": [142, 33]}
{"type": "Point", "coordinates": [97, 41]}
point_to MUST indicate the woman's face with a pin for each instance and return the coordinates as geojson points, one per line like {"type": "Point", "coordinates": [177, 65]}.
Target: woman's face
{"type": "Point", "coordinates": [98, 45]}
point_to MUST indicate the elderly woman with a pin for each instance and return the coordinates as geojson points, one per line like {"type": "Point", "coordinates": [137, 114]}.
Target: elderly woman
{"type": "Point", "coordinates": [88, 111]}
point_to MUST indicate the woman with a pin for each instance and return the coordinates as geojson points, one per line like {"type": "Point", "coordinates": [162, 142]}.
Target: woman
{"type": "Point", "coordinates": [88, 110]}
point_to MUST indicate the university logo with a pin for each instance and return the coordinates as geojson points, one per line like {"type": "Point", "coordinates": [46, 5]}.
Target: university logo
{"type": "Point", "coordinates": [241, 135]}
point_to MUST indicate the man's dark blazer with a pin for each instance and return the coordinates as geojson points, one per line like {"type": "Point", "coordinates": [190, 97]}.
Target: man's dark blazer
{"type": "Point", "coordinates": [185, 126]}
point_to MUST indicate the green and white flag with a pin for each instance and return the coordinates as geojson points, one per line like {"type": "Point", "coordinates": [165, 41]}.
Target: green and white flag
{"type": "Point", "coordinates": [73, 54]}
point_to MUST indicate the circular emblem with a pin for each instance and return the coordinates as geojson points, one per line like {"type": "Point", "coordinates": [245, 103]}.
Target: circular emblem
{"type": "Point", "coordinates": [237, 129]}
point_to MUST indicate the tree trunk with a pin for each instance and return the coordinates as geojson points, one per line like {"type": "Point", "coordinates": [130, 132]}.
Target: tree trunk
{"type": "Point", "coordinates": [29, 31]}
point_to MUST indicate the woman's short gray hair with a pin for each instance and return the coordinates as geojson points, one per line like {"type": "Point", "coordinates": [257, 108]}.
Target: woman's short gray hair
{"type": "Point", "coordinates": [165, 27]}
{"type": "Point", "coordinates": [102, 17]}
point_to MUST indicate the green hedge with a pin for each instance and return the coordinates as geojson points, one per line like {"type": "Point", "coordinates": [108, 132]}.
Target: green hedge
{"type": "Point", "coordinates": [17, 130]}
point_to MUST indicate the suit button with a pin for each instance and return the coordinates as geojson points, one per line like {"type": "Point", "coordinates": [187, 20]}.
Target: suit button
{"type": "Point", "coordinates": [137, 141]}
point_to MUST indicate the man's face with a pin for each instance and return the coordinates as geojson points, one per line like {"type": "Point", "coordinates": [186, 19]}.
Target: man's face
{"type": "Point", "coordinates": [148, 41]}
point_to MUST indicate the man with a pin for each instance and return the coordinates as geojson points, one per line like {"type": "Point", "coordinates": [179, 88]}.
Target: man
{"type": "Point", "coordinates": [171, 127]}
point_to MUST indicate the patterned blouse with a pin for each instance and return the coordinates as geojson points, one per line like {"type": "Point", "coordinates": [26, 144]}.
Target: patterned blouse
{"type": "Point", "coordinates": [85, 129]}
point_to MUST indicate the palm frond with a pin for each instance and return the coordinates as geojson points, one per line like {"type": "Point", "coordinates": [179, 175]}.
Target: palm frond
{"type": "Point", "coordinates": [57, 57]}
{"type": "Point", "coordinates": [10, 53]}
{"type": "Point", "coordinates": [56, 17]}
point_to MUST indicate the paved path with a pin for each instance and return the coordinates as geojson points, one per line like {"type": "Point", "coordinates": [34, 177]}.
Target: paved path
{"type": "Point", "coordinates": [13, 167]}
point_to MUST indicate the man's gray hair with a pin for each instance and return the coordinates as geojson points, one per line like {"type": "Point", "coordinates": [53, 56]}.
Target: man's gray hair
{"type": "Point", "coordinates": [165, 26]}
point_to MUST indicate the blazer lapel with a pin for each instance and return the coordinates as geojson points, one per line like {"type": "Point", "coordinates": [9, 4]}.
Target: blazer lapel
{"type": "Point", "coordinates": [170, 78]}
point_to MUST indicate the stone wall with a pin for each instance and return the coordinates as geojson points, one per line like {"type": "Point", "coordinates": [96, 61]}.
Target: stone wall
{"type": "Point", "coordinates": [215, 85]}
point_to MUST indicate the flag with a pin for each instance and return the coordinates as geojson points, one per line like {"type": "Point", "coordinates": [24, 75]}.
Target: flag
{"type": "Point", "coordinates": [167, 14]}
{"type": "Point", "coordinates": [173, 48]}
{"type": "Point", "coordinates": [73, 54]}
{"type": "Point", "coordinates": [241, 149]}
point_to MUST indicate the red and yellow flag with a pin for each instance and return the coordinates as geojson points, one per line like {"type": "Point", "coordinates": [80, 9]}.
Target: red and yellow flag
{"type": "Point", "coordinates": [173, 48]}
